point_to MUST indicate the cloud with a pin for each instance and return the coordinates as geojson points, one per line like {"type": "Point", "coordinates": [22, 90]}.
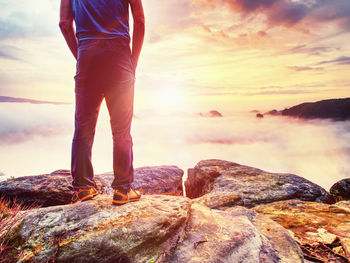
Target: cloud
{"type": "Point", "coordinates": [259, 38]}
{"type": "Point", "coordinates": [226, 141]}
{"type": "Point", "coordinates": [10, 29]}
{"type": "Point", "coordinates": [331, 10]}
{"type": "Point", "coordinates": [252, 91]}
{"type": "Point", "coordinates": [7, 56]}
{"type": "Point", "coordinates": [306, 148]}
{"type": "Point", "coordinates": [6, 99]}
{"type": "Point", "coordinates": [342, 60]}
{"type": "Point", "coordinates": [287, 144]}
{"type": "Point", "coordinates": [285, 26]}
{"type": "Point", "coordinates": [288, 13]}
{"type": "Point", "coordinates": [278, 12]}
{"type": "Point", "coordinates": [10, 52]}
{"type": "Point", "coordinates": [19, 25]}
{"type": "Point", "coordinates": [23, 19]}
{"type": "Point", "coordinates": [309, 50]}
{"type": "Point", "coordinates": [255, 93]}
{"type": "Point", "coordinates": [168, 19]}
{"type": "Point", "coordinates": [22, 122]}
{"type": "Point", "coordinates": [22, 135]}
{"type": "Point", "coordinates": [280, 92]}
{"type": "Point", "coordinates": [297, 68]}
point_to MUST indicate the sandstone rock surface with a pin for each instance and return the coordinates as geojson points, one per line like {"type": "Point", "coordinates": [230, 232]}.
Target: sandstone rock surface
{"type": "Point", "coordinates": [312, 223]}
{"type": "Point", "coordinates": [254, 186]}
{"type": "Point", "coordinates": [215, 226]}
{"type": "Point", "coordinates": [155, 179]}
{"type": "Point", "coordinates": [158, 228]}
{"type": "Point", "coordinates": [96, 231]}
{"type": "Point", "coordinates": [236, 235]}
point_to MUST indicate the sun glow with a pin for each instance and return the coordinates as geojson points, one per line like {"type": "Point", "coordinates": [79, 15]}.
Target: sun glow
{"type": "Point", "coordinates": [169, 96]}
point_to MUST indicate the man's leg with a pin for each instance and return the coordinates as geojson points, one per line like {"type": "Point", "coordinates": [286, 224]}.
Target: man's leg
{"type": "Point", "coordinates": [88, 99]}
{"type": "Point", "coordinates": [86, 114]}
{"type": "Point", "coordinates": [120, 104]}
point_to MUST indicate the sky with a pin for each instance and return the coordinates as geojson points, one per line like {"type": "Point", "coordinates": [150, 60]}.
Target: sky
{"type": "Point", "coordinates": [198, 55]}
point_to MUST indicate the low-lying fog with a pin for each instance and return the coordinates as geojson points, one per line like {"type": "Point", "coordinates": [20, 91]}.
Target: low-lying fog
{"type": "Point", "coordinates": [36, 139]}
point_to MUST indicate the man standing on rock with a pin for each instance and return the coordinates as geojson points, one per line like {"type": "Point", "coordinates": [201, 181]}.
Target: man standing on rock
{"type": "Point", "coordinates": [105, 68]}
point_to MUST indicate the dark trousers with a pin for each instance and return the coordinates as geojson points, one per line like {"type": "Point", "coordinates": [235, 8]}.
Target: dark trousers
{"type": "Point", "coordinates": [104, 70]}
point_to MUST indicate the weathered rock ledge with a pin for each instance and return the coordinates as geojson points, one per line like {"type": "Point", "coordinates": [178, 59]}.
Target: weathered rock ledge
{"type": "Point", "coordinates": [235, 213]}
{"type": "Point", "coordinates": [222, 184]}
{"type": "Point", "coordinates": [157, 228]}
{"type": "Point", "coordinates": [55, 188]}
{"type": "Point", "coordinates": [163, 179]}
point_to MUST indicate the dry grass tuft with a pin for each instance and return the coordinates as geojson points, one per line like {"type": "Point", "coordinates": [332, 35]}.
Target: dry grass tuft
{"type": "Point", "coordinates": [11, 215]}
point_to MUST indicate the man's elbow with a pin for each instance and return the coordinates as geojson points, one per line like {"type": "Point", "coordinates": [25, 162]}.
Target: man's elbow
{"type": "Point", "coordinates": [65, 25]}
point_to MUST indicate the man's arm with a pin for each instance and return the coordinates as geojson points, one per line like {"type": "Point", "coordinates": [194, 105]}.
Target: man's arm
{"type": "Point", "coordinates": [139, 30]}
{"type": "Point", "coordinates": [67, 28]}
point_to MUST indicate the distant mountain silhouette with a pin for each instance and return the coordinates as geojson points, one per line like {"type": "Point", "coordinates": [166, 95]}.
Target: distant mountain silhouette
{"type": "Point", "coordinates": [12, 99]}
{"type": "Point", "coordinates": [336, 109]}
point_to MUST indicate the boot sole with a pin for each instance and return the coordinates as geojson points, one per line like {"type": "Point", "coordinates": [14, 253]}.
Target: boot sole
{"type": "Point", "coordinates": [88, 197]}
{"type": "Point", "coordinates": [115, 202]}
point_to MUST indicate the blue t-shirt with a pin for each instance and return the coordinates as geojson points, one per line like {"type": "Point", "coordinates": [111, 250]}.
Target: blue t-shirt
{"type": "Point", "coordinates": [101, 19]}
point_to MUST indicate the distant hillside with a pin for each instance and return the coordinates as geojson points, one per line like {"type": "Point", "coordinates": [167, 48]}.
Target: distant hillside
{"type": "Point", "coordinates": [336, 109]}
{"type": "Point", "coordinates": [12, 99]}
{"type": "Point", "coordinates": [212, 113]}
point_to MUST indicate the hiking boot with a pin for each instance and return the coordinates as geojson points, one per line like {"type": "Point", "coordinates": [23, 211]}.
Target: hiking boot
{"type": "Point", "coordinates": [122, 196]}
{"type": "Point", "coordinates": [84, 194]}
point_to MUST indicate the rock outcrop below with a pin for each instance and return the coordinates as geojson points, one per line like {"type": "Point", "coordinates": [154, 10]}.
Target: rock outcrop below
{"type": "Point", "coordinates": [163, 179]}
{"type": "Point", "coordinates": [313, 223]}
{"type": "Point", "coordinates": [96, 231]}
{"type": "Point", "coordinates": [46, 189]}
{"type": "Point", "coordinates": [158, 228]}
{"type": "Point", "coordinates": [227, 184]}
{"type": "Point", "coordinates": [237, 214]}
